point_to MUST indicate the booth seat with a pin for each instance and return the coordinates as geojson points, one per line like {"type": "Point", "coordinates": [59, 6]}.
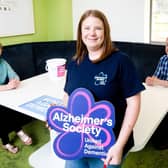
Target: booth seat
{"type": "Point", "coordinates": [28, 59]}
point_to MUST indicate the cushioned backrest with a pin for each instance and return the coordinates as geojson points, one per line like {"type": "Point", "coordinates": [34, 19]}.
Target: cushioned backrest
{"type": "Point", "coordinates": [47, 50]}
{"type": "Point", "coordinates": [125, 47]}
{"type": "Point", "coordinates": [20, 57]}
{"type": "Point", "coordinates": [30, 59]}
{"type": "Point", "coordinates": [145, 58]}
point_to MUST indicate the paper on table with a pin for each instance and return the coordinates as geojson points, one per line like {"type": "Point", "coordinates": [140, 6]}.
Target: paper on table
{"type": "Point", "coordinates": [41, 104]}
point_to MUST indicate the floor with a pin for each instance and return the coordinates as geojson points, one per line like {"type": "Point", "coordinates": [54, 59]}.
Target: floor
{"type": "Point", "coordinates": [149, 157]}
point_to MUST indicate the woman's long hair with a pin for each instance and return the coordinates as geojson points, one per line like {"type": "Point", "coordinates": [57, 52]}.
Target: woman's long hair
{"type": "Point", "coordinates": [108, 46]}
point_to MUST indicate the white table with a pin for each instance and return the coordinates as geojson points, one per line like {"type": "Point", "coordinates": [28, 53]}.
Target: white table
{"type": "Point", "coordinates": [44, 158]}
{"type": "Point", "coordinates": [154, 106]}
{"type": "Point", "coordinates": [30, 89]}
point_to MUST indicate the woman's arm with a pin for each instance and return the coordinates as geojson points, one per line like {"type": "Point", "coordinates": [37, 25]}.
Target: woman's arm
{"type": "Point", "coordinates": [115, 153]}
{"type": "Point", "coordinates": [4, 87]}
{"type": "Point", "coordinates": [11, 73]}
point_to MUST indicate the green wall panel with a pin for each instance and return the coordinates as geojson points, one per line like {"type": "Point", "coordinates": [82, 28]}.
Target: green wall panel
{"type": "Point", "coordinates": [60, 20]}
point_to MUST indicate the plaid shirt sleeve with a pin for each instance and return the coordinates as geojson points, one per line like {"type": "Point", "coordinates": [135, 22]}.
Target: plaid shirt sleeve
{"type": "Point", "coordinates": [161, 71]}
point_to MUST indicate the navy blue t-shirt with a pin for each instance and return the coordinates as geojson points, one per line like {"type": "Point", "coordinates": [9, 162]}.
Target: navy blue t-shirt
{"type": "Point", "coordinates": [114, 79]}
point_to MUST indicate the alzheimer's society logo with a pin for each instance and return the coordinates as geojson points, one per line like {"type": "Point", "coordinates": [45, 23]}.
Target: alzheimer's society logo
{"type": "Point", "coordinates": [85, 127]}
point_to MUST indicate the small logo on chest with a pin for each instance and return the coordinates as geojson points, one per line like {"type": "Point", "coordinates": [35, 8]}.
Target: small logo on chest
{"type": "Point", "coordinates": [100, 79]}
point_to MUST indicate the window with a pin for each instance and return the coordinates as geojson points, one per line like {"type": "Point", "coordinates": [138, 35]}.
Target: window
{"type": "Point", "coordinates": [159, 21]}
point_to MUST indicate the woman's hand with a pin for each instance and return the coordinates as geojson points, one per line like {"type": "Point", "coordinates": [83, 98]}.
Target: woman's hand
{"type": "Point", "coordinates": [47, 126]}
{"type": "Point", "coordinates": [52, 104]}
{"type": "Point", "coordinates": [114, 155]}
{"type": "Point", "coordinates": [13, 84]}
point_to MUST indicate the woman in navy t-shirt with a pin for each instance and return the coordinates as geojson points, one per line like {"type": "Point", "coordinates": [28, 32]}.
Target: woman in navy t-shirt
{"type": "Point", "coordinates": [109, 75]}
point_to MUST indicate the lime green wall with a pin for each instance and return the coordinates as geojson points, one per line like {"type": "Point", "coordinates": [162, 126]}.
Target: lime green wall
{"type": "Point", "coordinates": [60, 20]}
{"type": "Point", "coordinates": [53, 22]}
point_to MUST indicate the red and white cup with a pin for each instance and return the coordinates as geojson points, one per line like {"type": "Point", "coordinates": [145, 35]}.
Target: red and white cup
{"type": "Point", "coordinates": [55, 68]}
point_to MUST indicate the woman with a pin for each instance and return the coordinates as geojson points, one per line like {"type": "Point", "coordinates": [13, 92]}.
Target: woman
{"type": "Point", "coordinates": [119, 84]}
{"type": "Point", "coordinates": [10, 120]}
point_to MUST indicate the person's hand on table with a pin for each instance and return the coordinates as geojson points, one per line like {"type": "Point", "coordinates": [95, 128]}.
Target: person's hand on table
{"type": "Point", "coordinates": [13, 84]}
{"type": "Point", "coordinates": [149, 81]}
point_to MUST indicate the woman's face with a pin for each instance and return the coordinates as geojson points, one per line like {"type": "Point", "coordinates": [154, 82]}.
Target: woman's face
{"type": "Point", "coordinates": [92, 33]}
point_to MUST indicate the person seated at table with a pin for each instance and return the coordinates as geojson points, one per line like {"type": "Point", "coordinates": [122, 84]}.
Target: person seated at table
{"type": "Point", "coordinates": [10, 120]}
{"type": "Point", "coordinates": [160, 76]}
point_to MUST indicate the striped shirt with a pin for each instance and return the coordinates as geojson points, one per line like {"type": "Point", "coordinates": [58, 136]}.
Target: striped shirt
{"type": "Point", "coordinates": [161, 71]}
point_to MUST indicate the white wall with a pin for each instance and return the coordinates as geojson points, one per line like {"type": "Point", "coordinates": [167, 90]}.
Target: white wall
{"type": "Point", "coordinates": [16, 17]}
{"type": "Point", "coordinates": [129, 19]}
